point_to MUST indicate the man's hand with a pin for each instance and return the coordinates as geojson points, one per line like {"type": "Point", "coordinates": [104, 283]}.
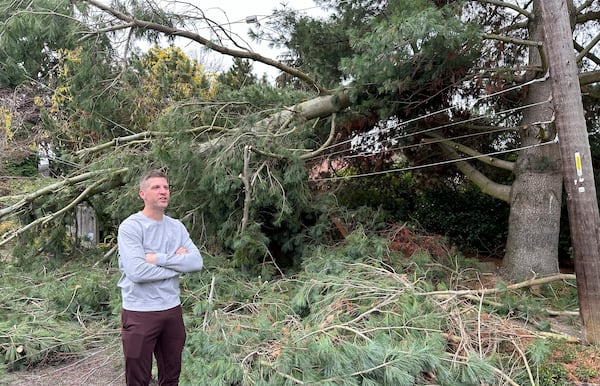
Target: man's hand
{"type": "Point", "coordinates": [151, 258]}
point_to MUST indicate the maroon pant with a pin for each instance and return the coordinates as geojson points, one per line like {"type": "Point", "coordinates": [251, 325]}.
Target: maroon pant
{"type": "Point", "coordinates": [145, 333]}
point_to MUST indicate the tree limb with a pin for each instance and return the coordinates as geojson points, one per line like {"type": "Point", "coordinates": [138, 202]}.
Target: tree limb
{"type": "Point", "coordinates": [588, 55]}
{"type": "Point", "coordinates": [244, 176]}
{"type": "Point", "coordinates": [47, 218]}
{"type": "Point", "coordinates": [488, 291]}
{"type": "Point", "coordinates": [514, 7]}
{"type": "Point", "coordinates": [172, 31]}
{"type": "Point", "coordinates": [325, 144]}
{"type": "Point", "coordinates": [143, 136]}
{"type": "Point", "coordinates": [486, 185]}
{"type": "Point", "coordinates": [28, 198]}
{"type": "Point", "coordinates": [108, 29]}
{"type": "Point", "coordinates": [584, 5]}
{"type": "Point", "coordinates": [509, 39]}
{"type": "Point", "coordinates": [496, 162]}
{"type": "Point", "coordinates": [319, 107]}
{"type": "Point", "coordinates": [583, 53]}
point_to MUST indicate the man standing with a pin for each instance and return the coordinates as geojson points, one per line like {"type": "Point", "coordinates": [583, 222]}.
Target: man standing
{"type": "Point", "coordinates": [154, 249]}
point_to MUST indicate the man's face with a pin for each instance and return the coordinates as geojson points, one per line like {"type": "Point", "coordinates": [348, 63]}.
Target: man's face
{"type": "Point", "coordinates": [155, 193]}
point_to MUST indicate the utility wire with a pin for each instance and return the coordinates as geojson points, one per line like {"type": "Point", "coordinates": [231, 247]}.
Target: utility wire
{"type": "Point", "coordinates": [430, 142]}
{"type": "Point", "coordinates": [406, 135]}
{"type": "Point", "coordinates": [447, 109]}
{"type": "Point", "coordinates": [408, 168]}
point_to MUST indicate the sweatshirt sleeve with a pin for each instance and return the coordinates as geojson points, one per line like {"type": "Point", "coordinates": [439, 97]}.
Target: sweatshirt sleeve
{"type": "Point", "coordinates": [184, 263]}
{"type": "Point", "coordinates": [132, 258]}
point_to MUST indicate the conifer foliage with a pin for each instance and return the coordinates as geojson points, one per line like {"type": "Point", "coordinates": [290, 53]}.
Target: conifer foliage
{"type": "Point", "coordinates": [286, 298]}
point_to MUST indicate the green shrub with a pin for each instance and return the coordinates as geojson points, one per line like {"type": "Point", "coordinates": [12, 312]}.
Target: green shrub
{"type": "Point", "coordinates": [469, 218]}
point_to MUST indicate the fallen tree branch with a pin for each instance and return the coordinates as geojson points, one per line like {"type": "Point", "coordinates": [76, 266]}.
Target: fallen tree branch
{"type": "Point", "coordinates": [172, 31]}
{"type": "Point", "coordinates": [47, 218]}
{"type": "Point", "coordinates": [28, 198]}
{"type": "Point", "coordinates": [135, 138]}
{"type": "Point", "coordinates": [488, 291]}
{"type": "Point", "coordinates": [247, 193]}
{"type": "Point", "coordinates": [325, 144]}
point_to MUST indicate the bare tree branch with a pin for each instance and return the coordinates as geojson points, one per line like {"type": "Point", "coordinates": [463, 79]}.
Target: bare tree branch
{"type": "Point", "coordinates": [325, 144]}
{"type": "Point", "coordinates": [488, 291]}
{"type": "Point", "coordinates": [244, 176]}
{"type": "Point", "coordinates": [504, 4]}
{"type": "Point", "coordinates": [172, 31]}
{"type": "Point", "coordinates": [486, 185]}
{"type": "Point", "coordinates": [502, 164]}
{"type": "Point", "coordinates": [509, 39]}
{"type": "Point", "coordinates": [589, 48]}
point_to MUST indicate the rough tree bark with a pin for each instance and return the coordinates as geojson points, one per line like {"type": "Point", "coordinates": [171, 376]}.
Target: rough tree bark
{"type": "Point", "coordinates": [582, 203]}
{"type": "Point", "coordinates": [536, 194]}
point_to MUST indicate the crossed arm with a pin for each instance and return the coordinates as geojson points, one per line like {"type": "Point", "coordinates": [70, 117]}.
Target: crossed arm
{"type": "Point", "coordinates": [143, 266]}
{"type": "Point", "coordinates": [152, 257]}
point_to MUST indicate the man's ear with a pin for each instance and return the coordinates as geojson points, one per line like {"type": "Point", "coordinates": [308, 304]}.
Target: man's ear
{"type": "Point", "coordinates": [141, 194]}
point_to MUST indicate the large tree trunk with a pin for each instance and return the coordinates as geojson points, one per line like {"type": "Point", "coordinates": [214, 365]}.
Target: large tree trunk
{"type": "Point", "coordinates": [535, 199]}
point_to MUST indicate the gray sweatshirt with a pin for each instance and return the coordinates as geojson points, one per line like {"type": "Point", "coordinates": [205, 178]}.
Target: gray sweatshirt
{"type": "Point", "coordinates": [149, 287]}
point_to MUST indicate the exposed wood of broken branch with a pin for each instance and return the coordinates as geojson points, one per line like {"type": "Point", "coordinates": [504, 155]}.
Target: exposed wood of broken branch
{"type": "Point", "coordinates": [319, 107]}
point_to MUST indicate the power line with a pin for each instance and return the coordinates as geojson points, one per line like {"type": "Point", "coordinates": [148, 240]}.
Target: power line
{"type": "Point", "coordinates": [433, 141]}
{"type": "Point", "coordinates": [406, 135]}
{"type": "Point", "coordinates": [408, 168]}
{"type": "Point", "coordinates": [448, 109]}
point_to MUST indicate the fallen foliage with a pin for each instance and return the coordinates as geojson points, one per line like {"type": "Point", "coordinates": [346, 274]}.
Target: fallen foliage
{"type": "Point", "coordinates": [357, 313]}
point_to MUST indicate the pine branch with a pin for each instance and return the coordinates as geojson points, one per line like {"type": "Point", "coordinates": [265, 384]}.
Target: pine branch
{"type": "Point", "coordinates": [28, 198]}
{"type": "Point", "coordinates": [508, 39]}
{"type": "Point", "coordinates": [488, 291]}
{"type": "Point", "coordinates": [144, 136]}
{"type": "Point", "coordinates": [525, 362]}
{"type": "Point", "coordinates": [313, 153]}
{"type": "Point", "coordinates": [286, 376]}
{"type": "Point", "coordinates": [44, 220]}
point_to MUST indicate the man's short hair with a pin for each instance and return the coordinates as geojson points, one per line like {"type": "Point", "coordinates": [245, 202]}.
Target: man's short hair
{"type": "Point", "coordinates": [152, 174]}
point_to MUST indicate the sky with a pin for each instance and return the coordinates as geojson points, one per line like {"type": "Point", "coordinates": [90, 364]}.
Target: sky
{"type": "Point", "coordinates": [233, 14]}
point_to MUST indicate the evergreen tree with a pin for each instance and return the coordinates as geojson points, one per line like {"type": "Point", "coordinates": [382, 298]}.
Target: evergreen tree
{"type": "Point", "coordinates": [466, 77]}
{"type": "Point", "coordinates": [239, 74]}
{"type": "Point", "coordinates": [32, 33]}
